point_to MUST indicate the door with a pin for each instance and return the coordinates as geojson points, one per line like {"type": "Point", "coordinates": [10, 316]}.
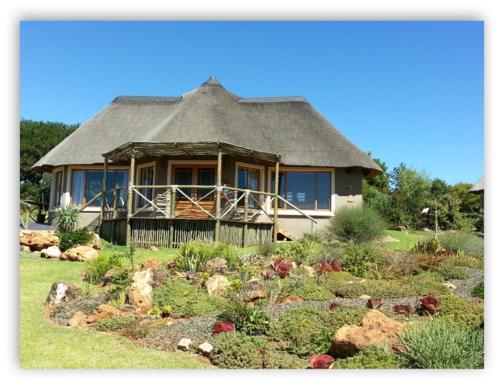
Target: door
{"type": "Point", "coordinates": [199, 174]}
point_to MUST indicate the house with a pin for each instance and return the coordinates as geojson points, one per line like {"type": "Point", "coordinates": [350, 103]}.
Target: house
{"type": "Point", "coordinates": [203, 165]}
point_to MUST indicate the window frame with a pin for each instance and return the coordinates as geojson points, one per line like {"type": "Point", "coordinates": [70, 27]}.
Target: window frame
{"type": "Point", "coordinates": [56, 202]}
{"type": "Point", "coordinates": [139, 168]}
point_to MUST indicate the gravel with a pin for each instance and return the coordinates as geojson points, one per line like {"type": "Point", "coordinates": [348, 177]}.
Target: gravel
{"type": "Point", "coordinates": [464, 287]}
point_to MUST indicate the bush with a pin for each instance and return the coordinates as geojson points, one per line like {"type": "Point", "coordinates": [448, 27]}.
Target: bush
{"type": "Point", "coordinates": [185, 299]}
{"type": "Point", "coordinates": [467, 242]}
{"type": "Point", "coordinates": [359, 259]}
{"type": "Point", "coordinates": [460, 312]}
{"type": "Point", "coordinates": [229, 253]}
{"type": "Point", "coordinates": [281, 360]}
{"type": "Point", "coordinates": [437, 344]}
{"type": "Point", "coordinates": [236, 350]}
{"type": "Point", "coordinates": [369, 358]}
{"type": "Point", "coordinates": [266, 249]}
{"type": "Point", "coordinates": [478, 291]}
{"type": "Point", "coordinates": [97, 268]}
{"type": "Point", "coordinates": [305, 287]}
{"type": "Point", "coordinates": [115, 323]}
{"type": "Point", "coordinates": [328, 254]}
{"type": "Point", "coordinates": [194, 254]}
{"type": "Point", "coordinates": [299, 251]}
{"type": "Point", "coordinates": [66, 219]}
{"type": "Point", "coordinates": [357, 224]}
{"type": "Point", "coordinates": [335, 280]}
{"type": "Point", "coordinates": [450, 271]}
{"type": "Point", "coordinates": [247, 319]}
{"type": "Point", "coordinates": [75, 238]}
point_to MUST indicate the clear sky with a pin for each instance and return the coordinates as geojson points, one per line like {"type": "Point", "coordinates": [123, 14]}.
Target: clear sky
{"type": "Point", "coordinates": [408, 92]}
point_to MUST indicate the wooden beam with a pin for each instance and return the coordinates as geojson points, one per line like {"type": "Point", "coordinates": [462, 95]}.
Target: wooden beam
{"type": "Point", "coordinates": [245, 220]}
{"type": "Point", "coordinates": [173, 194]}
{"type": "Point", "coordinates": [276, 192]}
{"type": "Point", "coordinates": [130, 196]}
{"type": "Point", "coordinates": [178, 146]}
{"type": "Point", "coordinates": [218, 196]}
{"type": "Point", "coordinates": [103, 196]}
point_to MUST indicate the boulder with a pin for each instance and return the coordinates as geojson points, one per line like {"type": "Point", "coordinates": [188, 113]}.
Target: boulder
{"type": "Point", "coordinates": [205, 349]}
{"type": "Point", "coordinates": [365, 297]}
{"type": "Point", "coordinates": [150, 264]}
{"type": "Point", "coordinates": [401, 228]}
{"type": "Point", "coordinates": [216, 285]}
{"type": "Point", "coordinates": [78, 320]}
{"type": "Point", "coordinates": [376, 329]}
{"type": "Point", "coordinates": [184, 344]}
{"type": "Point", "coordinates": [96, 242]}
{"type": "Point", "coordinates": [52, 252]}
{"type": "Point", "coordinates": [38, 240]}
{"type": "Point", "coordinates": [308, 270]}
{"type": "Point", "coordinates": [24, 248]}
{"type": "Point", "coordinates": [80, 253]}
{"type": "Point", "coordinates": [103, 312]}
{"type": "Point", "coordinates": [254, 289]}
{"type": "Point", "coordinates": [140, 293]}
{"type": "Point", "coordinates": [449, 285]}
{"type": "Point", "coordinates": [292, 299]}
{"type": "Point", "coordinates": [154, 249]}
{"type": "Point", "coordinates": [61, 291]}
{"type": "Point", "coordinates": [216, 265]}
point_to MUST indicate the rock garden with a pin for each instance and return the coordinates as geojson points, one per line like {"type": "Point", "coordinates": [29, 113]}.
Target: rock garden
{"type": "Point", "coordinates": [337, 299]}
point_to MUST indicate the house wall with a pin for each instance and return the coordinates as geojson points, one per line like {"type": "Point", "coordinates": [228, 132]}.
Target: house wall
{"type": "Point", "coordinates": [348, 187]}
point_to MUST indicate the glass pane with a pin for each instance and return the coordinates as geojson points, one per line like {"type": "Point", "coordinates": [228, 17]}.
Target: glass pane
{"type": "Point", "coordinates": [114, 178]}
{"type": "Point", "coordinates": [281, 187]}
{"type": "Point", "coordinates": [253, 179]}
{"type": "Point", "coordinates": [206, 176]}
{"type": "Point", "coordinates": [242, 178]}
{"type": "Point", "coordinates": [77, 187]}
{"type": "Point", "coordinates": [146, 177]}
{"type": "Point", "coordinates": [93, 186]}
{"type": "Point", "coordinates": [323, 193]}
{"type": "Point", "coordinates": [58, 189]}
{"type": "Point", "coordinates": [300, 189]}
{"type": "Point", "coordinates": [183, 176]}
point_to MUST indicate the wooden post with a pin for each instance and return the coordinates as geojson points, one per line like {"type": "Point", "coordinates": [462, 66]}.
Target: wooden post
{"type": "Point", "coordinates": [130, 206]}
{"type": "Point", "coordinates": [218, 196]}
{"type": "Point", "coordinates": [245, 219]}
{"type": "Point", "coordinates": [103, 196]}
{"type": "Point", "coordinates": [173, 193]}
{"type": "Point", "coordinates": [115, 199]}
{"type": "Point", "coordinates": [276, 193]}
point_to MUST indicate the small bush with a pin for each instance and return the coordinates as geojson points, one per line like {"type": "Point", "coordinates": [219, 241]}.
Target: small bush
{"type": "Point", "coordinates": [299, 251]}
{"type": "Point", "coordinates": [185, 300]}
{"type": "Point", "coordinates": [66, 219]}
{"type": "Point", "coordinates": [369, 358]}
{"type": "Point", "coordinates": [359, 259]}
{"type": "Point", "coordinates": [97, 268]}
{"type": "Point", "coordinates": [115, 323]}
{"type": "Point", "coordinates": [246, 318]}
{"type": "Point", "coordinates": [229, 253]}
{"type": "Point", "coordinates": [478, 291]}
{"type": "Point", "coordinates": [266, 249]}
{"type": "Point", "coordinates": [336, 280]}
{"type": "Point", "coordinates": [75, 238]}
{"type": "Point", "coordinates": [357, 224]}
{"type": "Point", "coordinates": [328, 254]}
{"type": "Point", "coordinates": [428, 245]}
{"type": "Point", "coordinates": [467, 242]}
{"type": "Point", "coordinates": [281, 360]}
{"type": "Point", "coordinates": [450, 271]}
{"type": "Point", "coordinates": [437, 344]}
{"type": "Point", "coordinates": [194, 254]}
{"type": "Point", "coordinates": [236, 350]}
{"type": "Point", "coordinates": [460, 312]}
{"type": "Point", "coordinates": [306, 288]}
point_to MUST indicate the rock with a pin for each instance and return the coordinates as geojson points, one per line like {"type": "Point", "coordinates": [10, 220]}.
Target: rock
{"type": "Point", "coordinates": [449, 285]}
{"type": "Point", "coordinates": [61, 291]}
{"type": "Point", "coordinates": [190, 275]}
{"type": "Point", "coordinates": [184, 344]}
{"type": "Point", "coordinates": [38, 240]}
{"type": "Point", "coordinates": [154, 249]}
{"type": "Point", "coordinates": [376, 329]}
{"type": "Point", "coordinates": [80, 253]}
{"type": "Point", "coordinates": [309, 271]}
{"type": "Point", "coordinates": [150, 264]}
{"type": "Point", "coordinates": [254, 289]}
{"type": "Point", "coordinates": [292, 299]}
{"type": "Point", "coordinates": [140, 293]}
{"type": "Point", "coordinates": [401, 228]}
{"type": "Point", "coordinates": [96, 242]}
{"type": "Point", "coordinates": [78, 320]}
{"type": "Point", "coordinates": [216, 285]}
{"type": "Point", "coordinates": [103, 312]}
{"type": "Point", "coordinates": [52, 252]}
{"type": "Point", "coordinates": [321, 361]}
{"type": "Point", "coordinates": [205, 349]}
{"type": "Point", "coordinates": [216, 265]}
{"type": "Point", "coordinates": [24, 248]}
{"type": "Point", "coordinates": [365, 297]}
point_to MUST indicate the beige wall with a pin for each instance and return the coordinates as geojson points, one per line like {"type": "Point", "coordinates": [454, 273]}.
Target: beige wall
{"type": "Point", "coordinates": [348, 187]}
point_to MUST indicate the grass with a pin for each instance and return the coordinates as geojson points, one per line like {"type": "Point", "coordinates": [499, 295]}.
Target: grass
{"type": "Point", "coordinates": [43, 345]}
{"type": "Point", "coordinates": [406, 239]}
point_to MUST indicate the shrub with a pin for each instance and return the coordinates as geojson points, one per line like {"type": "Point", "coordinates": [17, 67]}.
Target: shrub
{"type": "Point", "coordinates": [66, 219]}
{"type": "Point", "coordinates": [193, 255]}
{"type": "Point", "coordinates": [282, 360]}
{"type": "Point", "coordinates": [266, 249]}
{"type": "Point", "coordinates": [460, 312]}
{"type": "Point", "coordinates": [450, 271]}
{"type": "Point", "coordinates": [97, 268]}
{"type": "Point", "coordinates": [236, 350]}
{"type": "Point", "coordinates": [299, 251]}
{"type": "Point", "coordinates": [359, 259]}
{"type": "Point", "coordinates": [75, 238]}
{"type": "Point", "coordinates": [185, 299]}
{"type": "Point", "coordinates": [467, 242]}
{"type": "Point", "coordinates": [328, 254]}
{"type": "Point", "coordinates": [478, 291]}
{"type": "Point", "coordinates": [428, 245]}
{"type": "Point", "coordinates": [357, 224]}
{"type": "Point", "coordinates": [370, 358]}
{"type": "Point", "coordinates": [247, 319]}
{"type": "Point", "coordinates": [115, 323]}
{"type": "Point", "coordinates": [306, 288]}
{"type": "Point", "coordinates": [229, 253]}
{"type": "Point", "coordinates": [437, 344]}
{"type": "Point", "coordinates": [334, 281]}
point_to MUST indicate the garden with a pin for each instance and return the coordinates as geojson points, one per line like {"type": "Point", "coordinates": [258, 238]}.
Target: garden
{"type": "Point", "coordinates": [352, 296]}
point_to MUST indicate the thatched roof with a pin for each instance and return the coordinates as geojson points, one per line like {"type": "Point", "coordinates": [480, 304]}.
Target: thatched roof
{"type": "Point", "coordinates": [285, 126]}
{"type": "Point", "coordinates": [479, 186]}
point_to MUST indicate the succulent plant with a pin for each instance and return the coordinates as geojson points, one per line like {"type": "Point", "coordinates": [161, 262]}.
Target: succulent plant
{"type": "Point", "coordinates": [374, 303]}
{"type": "Point", "coordinates": [223, 326]}
{"type": "Point", "coordinates": [402, 309]}
{"type": "Point", "coordinates": [334, 305]}
{"type": "Point", "coordinates": [321, 361]}
{"type": "Point", "coordinates": [428, 304]}
{"type": "Point", "coordinates": [282, 267]}
{"type": "Point", "coordinates": [331, 266]}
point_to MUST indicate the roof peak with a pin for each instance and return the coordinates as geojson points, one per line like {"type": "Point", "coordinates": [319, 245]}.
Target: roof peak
{"type": "Point", "coordinates": [212, 80]}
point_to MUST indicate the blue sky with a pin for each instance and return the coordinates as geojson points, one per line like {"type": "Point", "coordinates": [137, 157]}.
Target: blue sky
{"type": "Point", "coordinates": [408, 92]}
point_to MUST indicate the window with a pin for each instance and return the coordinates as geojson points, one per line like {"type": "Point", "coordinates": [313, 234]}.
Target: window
{"type": "Point", "coordinates": [58, 186]}
{"type": "Point", "coordinates": [194, 175]}
{"type": "Point", "coordinates": [305, 190]}
{"type": "Point", "coordinates": [86, 183]}
{"type": "Point", "coordinates": [145, 177]}
{"type": "Point", "coordinates": [248, 178]}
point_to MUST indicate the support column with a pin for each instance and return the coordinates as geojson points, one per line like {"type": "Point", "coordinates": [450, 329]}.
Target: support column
{"type": "Point", "coordinates": [130, 198]}
{"type": "Point", "coordinates": [103, 195]}
{"type": "Point", "coordinates": [173, 194]}
{"type": "Point", "coordinates": [276, 193]}
{"type": "Point", "coordinates": [245, 219]}
{"type": "Point", "coordinates": [218, 196]}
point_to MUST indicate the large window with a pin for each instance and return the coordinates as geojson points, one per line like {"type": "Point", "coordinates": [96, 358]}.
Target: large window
{"type": "Point", "coordinates": [194, 175]}
{"type": "Point", "coordinates": [86, 183]}
{"type": "Point", "coordinates": [58, 187]}
{"type": "Point", "coordinates": [305, 190]}
{"type": "Point", "coordinates": [248, 178]}
{"type": "Point", "coordinates": [145, 177]}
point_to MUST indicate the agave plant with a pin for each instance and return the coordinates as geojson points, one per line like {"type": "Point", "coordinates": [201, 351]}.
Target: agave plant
{"type": "Point", "coordinates": [282, 267]}
{"type": "Point", "coordinates": [428, 305]}
{"type": "Point", "coordinates": [66, 219]}
{"type": "Point", "coordinates": [223, 326]}
{"type": "Point", "coordinates": [402, 309]}
{"type": "Point", "coordinates": [321, 361]}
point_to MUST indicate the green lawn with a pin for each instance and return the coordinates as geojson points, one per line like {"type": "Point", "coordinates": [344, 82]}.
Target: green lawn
{"type": "Point", "coordinates": [406, 239]}
{"type": "Point", "coordinates": [43, 345]}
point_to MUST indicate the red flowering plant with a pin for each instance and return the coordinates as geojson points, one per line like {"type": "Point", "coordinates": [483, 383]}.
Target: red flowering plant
{"type": "Point", "coordinates": [331, 266]}
{"type": "Point", "coordinates": [428, 305]}
{"type": "Point", "coordinates": [334, 305]}
{"type": "Point", "coordinates": [223, 326]}
{"type": "Point", "coordinates": [402, 309]}
{"type": "Point", "coordinates": [374, 303]}
{"type": "Point", "coordinates": [321, 361]}
{"type": "Point", "coordinates": [282, 267]}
